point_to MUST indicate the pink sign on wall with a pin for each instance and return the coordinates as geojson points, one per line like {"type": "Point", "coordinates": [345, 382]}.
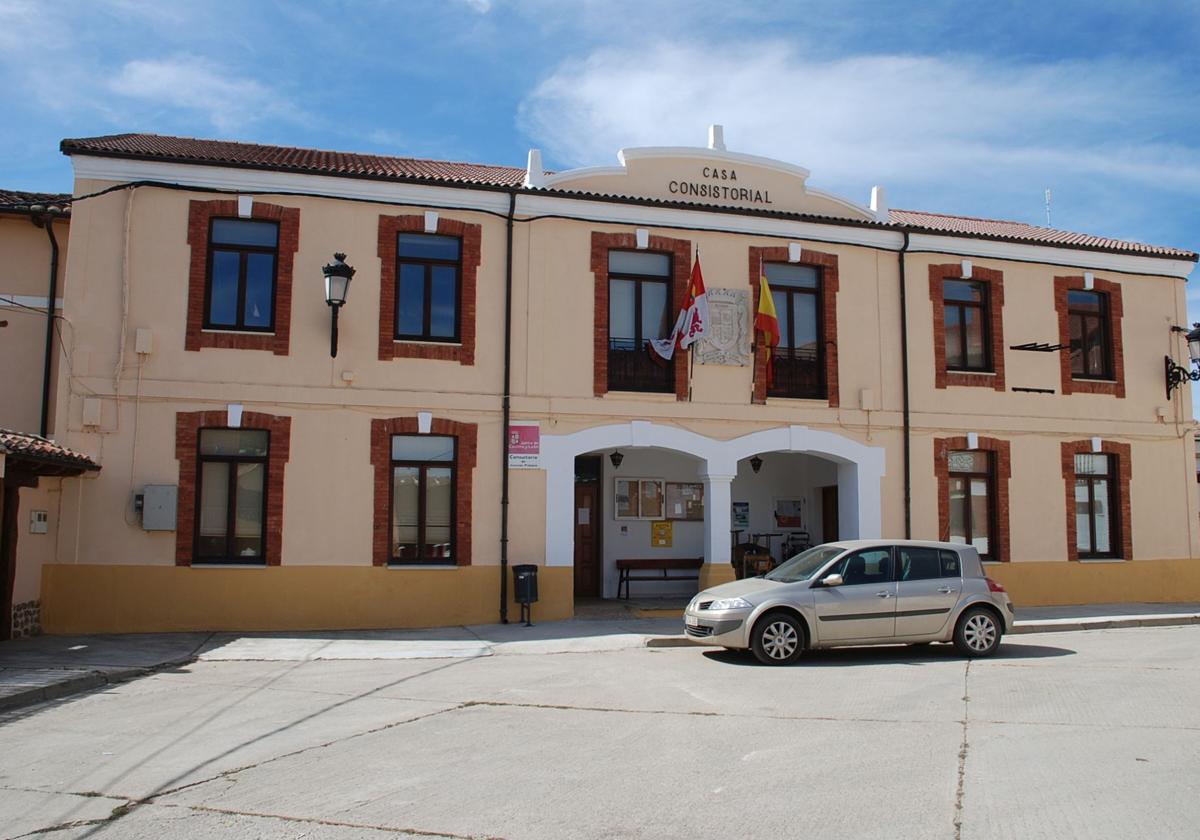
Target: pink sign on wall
{"type": "Point", "coordinates": [524, 445]}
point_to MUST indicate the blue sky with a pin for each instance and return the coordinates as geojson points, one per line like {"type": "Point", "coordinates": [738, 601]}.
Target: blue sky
{"type": "Point", "coordinates": [972, 108]}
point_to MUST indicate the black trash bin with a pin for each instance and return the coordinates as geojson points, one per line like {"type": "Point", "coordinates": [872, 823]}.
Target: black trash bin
{"type": "Point", "coordinates": [525, 589]}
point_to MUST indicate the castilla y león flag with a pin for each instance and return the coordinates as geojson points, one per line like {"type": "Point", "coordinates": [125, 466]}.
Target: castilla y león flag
{"type": "Point", "coordinates": [766, 323]}
{"type": "Point", "coordinates": [693, 321]}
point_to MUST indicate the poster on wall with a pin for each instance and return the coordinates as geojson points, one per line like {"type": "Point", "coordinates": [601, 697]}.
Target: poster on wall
{"type": "Point", "coordinates": [685, 500]}
{"type": "Point", "coordinates": [661, 534]}
{"type": "Point", "coordinates": [741, 515]}
{"type": "Point", "coordinates": [650, 499]}
{"type": "Point", "coordinates": [625, 498]}
{"type": "Point", "coordinates": [789, 513]}
{"type": "Point", "coordinates": [524, 445]}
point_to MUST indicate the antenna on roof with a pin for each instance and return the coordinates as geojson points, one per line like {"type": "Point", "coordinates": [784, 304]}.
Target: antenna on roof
{"type": "Point", "coordinates": [1048, 222]}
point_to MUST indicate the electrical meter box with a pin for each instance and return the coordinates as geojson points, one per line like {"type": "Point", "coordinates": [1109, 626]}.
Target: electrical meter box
{"type": "Point", "coordinates": [158, 507]}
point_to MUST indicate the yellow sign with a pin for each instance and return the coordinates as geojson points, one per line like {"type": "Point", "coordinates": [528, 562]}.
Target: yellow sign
{"type": "Point", "coordinates": [661, 534]}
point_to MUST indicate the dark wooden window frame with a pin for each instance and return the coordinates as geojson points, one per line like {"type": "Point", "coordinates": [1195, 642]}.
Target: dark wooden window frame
{"type": "Point", "coordinates": [231, 500]}
{"type": "Point", "coordinates": [242, 251]}
{"type": "Point", "coordinates": [428, 263]}
{"type": "Point", "coordinates": [1103, 324]}
{"type": "Point", "coordinates": [667, 386]}
{"type": "Point", "coordinates": [422, 467]}
{"type": "Point", "coordinates": [994, 280]}
{"type": "Point", "coordinates": [1001, 466]}
{"type": "Point", "coordinates": [989, 478]}
{"type": "Point", "coordinates": [985, 320]}
{"type": "Point", "coordinates": [1120, 481]}
{"type": "Point", "coordinates": [1114, 517]}
{"type": "Point", "coordinates": [787, 328]}
{"type": "Point", "coordinates": [1071, 383]}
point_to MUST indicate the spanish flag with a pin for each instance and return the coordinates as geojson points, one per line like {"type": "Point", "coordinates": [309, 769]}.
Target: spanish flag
{"type": "Point", "coordinates": [766, 324]}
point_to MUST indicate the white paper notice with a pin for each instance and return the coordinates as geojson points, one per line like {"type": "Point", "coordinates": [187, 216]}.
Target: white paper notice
{"type": "Point", "coordinates": [585, 516]}
{"type": "Point", "coordinates": [678, 509]}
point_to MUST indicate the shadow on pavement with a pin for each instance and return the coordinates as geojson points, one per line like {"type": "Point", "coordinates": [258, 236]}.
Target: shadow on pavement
{"type": "Point", "coordinates": [892, 655]}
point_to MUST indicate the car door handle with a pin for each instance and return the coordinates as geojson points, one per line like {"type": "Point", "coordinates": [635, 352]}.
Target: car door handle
{"type": "Point", "coordinates": [883, 594]}
{"type": "Point", "coordinates": [946, 590]}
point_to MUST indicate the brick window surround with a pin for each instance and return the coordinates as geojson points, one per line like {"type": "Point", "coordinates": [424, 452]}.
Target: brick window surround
{"type": "Point", "coordinates": [681, 267]}
{"type": "Point", "coordinates": [995, 283]}
{"type": "Point", "coordinates": [1063, 285]}
{"type": "Point", "coordinates": [1072, 448]}
{"type": "Point", "coordinates": [828, 266]}
{"type": "Point", "coordinates": [200, 213]}
{"type": "Point", "coordinates": [389, 348]}
{"type": "Point", "coordinates": [467, 435]}
{"type": "Point", "coordinates": [1002, 466]}
{"type": "Point", "coordinates": [187, 433]}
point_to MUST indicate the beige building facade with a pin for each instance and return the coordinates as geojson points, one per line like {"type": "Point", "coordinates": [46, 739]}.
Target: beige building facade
{"type": "Point", "coordinates": [492, 402]}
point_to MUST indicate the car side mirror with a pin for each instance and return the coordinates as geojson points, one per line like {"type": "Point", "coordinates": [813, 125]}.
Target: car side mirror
{"type": "Point", "coordinates": [832, 580]}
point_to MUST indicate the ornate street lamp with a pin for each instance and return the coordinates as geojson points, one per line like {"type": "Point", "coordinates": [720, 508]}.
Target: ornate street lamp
{"type": "Point", "coordinates": [756, 463]}
{"type": "Point", "coordinates": [616, 457]}
{"type": "Point", "coordinates": [1178, 374]}
{"type": "Point", "coordinates": [337, 284]}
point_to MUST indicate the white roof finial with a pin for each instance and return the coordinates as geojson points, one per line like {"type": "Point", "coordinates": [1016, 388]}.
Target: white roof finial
{"type": "Point", "coordinates": [716, 137]}
{"type": "Point", "coordinates": [535, 176]}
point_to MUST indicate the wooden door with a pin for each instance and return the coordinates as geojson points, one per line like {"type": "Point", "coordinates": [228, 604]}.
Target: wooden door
{"type": "Point", "coordinates": [829, 514]}
{"type": "Point", "coordinates": [587, 540]}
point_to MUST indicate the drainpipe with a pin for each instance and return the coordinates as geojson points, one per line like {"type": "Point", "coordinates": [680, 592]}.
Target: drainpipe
{"type": "Point", "coordinates": [45, 219]}
{"type": "Point", "coordinates": [505, 402]}
{"type": "Point", "coordinates": [904, 381]}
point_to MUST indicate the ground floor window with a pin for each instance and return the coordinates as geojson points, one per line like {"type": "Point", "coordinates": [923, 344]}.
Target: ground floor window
{"type": "Point", "coordinates": [972, 500]}
{"type": "Point", "coordinates": [422, 515]}
{"type": "Point", "coordinates": [231, 510]}
{"type": "Point", "coordinates": [1096, 523]}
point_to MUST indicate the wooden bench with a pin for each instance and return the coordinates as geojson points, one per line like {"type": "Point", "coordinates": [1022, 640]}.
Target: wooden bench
{"type": "Point", "coordinates": [657, 564]}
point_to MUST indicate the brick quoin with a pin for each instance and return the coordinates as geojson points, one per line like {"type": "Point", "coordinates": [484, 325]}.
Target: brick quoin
{"type": "Point", "coordinates": [1063, 285]}
{"type": "Point", "coordinates": [995, 283]}
{"type": "Point", "coordinates": [187, 437]}
{"type": "Point", "coordinates": [1124, 472]}
{"type": "Point", "coordinates": [467, 435]}
{"type": "Point", "coordinates": [389, 348]}
{"type": "Point", "coordinates": [1002, 462]}
{"type": "Point", "coordinates": [199, 215]}
{"type": "Point", "coordinates": [827, 264]}
{"type": "Point", "coordinates": [681, 267]}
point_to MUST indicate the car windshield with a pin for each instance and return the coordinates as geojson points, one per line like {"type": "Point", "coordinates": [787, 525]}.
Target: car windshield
{"type": "Point", "coordinates": [804, 565]}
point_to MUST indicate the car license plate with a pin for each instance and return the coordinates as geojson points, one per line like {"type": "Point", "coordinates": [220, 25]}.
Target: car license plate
{"type": "Point", "coordinates": [693, 622]}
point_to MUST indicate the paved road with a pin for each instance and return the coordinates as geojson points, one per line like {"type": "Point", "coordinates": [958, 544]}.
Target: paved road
{"type": "Point", "coordinates": [1073, 735]}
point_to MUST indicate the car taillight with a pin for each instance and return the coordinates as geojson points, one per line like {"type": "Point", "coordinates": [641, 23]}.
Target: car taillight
{"type": "Point", "coordinates": [994, 587]}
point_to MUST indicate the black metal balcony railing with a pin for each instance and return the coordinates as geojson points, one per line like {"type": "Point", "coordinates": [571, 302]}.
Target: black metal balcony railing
{"type": "Point", "coordinates": [799, 373]}
{"type": "Point", "coordinates": [630, 368]}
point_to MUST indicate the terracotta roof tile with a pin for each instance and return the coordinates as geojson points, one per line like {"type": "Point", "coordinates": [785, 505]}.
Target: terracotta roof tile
{"type": "Point", "coordinates": [17, 201]}
{"type": "Point", "coordinates": [30, 447]}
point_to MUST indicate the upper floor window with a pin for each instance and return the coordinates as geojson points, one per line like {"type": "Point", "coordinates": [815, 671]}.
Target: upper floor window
{"type": "Point", "coordinates": [242, 255]}
{"type": "Point", "coordinates": [423, 503]}
{"type": "Point", "coordinates": [799, 359]}
{"type": "Point", "coordinates": [1096, 520]}
{"type": "Point", "coordinates": [967, 319]}
{"type": "Point", "coordinates": [232, 496]}
{"type": "Point", "coordinates": [1091, 345]}
{"type": "Point", "coordinates": [972, 500]}
{"type": "Point", "coordinates": [428, 287]}
{"type": "Point", "coordinates": [639, 310]}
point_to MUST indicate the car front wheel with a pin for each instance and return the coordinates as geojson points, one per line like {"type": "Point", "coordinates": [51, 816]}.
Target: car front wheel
{"type": "Point", "coordinates": [978, 633]}
{"type": "Point", "coordinates": [778, 639]}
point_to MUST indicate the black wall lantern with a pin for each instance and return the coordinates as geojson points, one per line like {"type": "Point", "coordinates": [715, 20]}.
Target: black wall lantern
{"type": "Point", "coordinates": [616, 457]}
{"type": "Point", "coordinates": [1178, 374]}
{"type": "Point", "coordinates": [756, 463]}
{"type": "Point", "coordinates": [337, 285]}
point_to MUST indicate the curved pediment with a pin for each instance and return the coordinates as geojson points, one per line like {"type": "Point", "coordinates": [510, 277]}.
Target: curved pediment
{"type": "Point", "coordinates": [712, 176]}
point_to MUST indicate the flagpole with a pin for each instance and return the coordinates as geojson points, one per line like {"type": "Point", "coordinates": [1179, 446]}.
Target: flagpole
{"type": "Point", "coordinates": [692, 345]}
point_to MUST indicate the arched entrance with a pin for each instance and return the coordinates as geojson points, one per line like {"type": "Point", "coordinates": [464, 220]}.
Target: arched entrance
{"type": "Point", "coordinates": [859, 471]}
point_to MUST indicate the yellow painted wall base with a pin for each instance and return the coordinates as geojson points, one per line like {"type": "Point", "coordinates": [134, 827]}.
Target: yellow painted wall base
{"type": "Point", "coordinates": [1056, 583]}
{"type": "Point", "coordinates": [144, 599]}
{"type": "Point", "coordinates": [712, 574]}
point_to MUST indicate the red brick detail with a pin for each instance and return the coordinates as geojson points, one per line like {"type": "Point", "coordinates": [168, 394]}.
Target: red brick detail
{"type": "Point", "coordinates": [199, 215]}
{"type": "Point", "coordinates": [187, 433]}
{"type": "Point", "coordinates": [995, 282]}
{"type": "Point", "coordinates": [681, 262]}
{"type": "Point", "coordinates": [389, 347]}
{"type": "Point", "coordinates": [1116, 311]}
{"type": "Point", "coordinates": [1072, 448]}
{"type": "Point", "coordinates": [381, 458]}
{"type": "Point", "coordinates": [828, 264]}
{"type": "Point", "coordinates": [1002, 463]}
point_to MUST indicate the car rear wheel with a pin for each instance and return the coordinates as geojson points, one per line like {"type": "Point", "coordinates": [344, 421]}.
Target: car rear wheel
{"type": "Point", "coordinates": [778, 639]}
{"type": "Point", "coordinates": [977, 633]}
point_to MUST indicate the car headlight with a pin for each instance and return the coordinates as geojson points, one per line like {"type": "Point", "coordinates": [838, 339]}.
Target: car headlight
{"type": "Point", "coordinates": [730, 604]}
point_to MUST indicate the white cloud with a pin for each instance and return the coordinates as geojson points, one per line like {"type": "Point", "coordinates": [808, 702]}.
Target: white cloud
{"type": "Point", "coordinates": [194, 84]}
{"type": "Point", "coordinates": [889, 118]}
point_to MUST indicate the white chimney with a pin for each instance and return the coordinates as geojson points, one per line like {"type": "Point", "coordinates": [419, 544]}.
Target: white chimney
{"type": "Point", "coordinates": [879, 205]}
{"type": "Point", "coordinates": [716, 137]}
{"type": "Point", "coordinates": [535, 176]}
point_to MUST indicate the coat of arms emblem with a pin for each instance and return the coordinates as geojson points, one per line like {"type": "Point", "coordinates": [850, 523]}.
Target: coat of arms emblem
{"type": "Point", "coordinates": [728, 340]}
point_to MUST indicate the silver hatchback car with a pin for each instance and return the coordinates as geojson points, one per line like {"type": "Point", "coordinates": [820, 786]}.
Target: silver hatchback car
{"type": "Point", "coordinates": [859, 592]}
